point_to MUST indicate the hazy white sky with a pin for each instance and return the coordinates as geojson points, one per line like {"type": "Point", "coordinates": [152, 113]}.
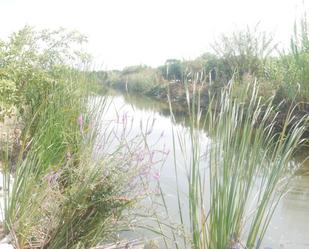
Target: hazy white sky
{"type": "Point", "coordinates": [128, 32]}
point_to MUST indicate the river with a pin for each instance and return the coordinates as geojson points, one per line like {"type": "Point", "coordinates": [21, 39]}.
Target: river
{"type": "Point", "coordinates": [289, 227]}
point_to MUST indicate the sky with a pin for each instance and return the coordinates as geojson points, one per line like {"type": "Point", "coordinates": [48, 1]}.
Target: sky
{"type": "Point", "coordinates": [130, 32]}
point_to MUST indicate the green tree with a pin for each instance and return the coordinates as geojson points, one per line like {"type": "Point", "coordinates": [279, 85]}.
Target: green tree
{"type": "Point", "coordinates": [172, 70]}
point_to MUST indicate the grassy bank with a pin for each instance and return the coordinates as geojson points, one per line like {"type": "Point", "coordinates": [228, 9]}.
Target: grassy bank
{"type": "Point", "coordinates": [61, 189]}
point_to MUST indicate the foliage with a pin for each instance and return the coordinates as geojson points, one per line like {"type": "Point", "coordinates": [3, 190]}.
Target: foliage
{"type": "Point", "coordinates": [235, 187]}
{"type": "Point", "coordinates": [31, 62]}
{"type": "Point", "coordinates": [245, 52]}
{"type": "Point", "coordinates": [67, 191]}
{"type": "Point", "coordinates": [137, 79]}
{"type": "Point", "coordinates": [8, 95]}
{"type": "Point", "coordinates": [242, 56]}
{"type": "Point", "coordinates": [294, 65]}
{"type": "Point", "coordinates": [172, 70]}
{"type": "Point", "coordinates": [142, 81]}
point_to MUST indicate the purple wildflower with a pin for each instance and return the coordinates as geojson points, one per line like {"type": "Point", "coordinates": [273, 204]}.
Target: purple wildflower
{"type": "Point", "coordinates": [157, 176]}
{"type": "Point", "coordinates": [52, 178]}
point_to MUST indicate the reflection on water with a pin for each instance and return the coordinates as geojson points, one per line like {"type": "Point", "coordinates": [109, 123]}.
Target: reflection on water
{"type": "Point", "coordinates": [289, 228]}
{"type": "Point", "coordinates": [291, 221]}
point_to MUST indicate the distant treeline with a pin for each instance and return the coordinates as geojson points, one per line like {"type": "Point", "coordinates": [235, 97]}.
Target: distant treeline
{"type": "Point", "coordinates": [243, 56]}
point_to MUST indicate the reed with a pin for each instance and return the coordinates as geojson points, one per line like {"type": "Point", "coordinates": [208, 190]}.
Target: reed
{"type": "Point", "coordinates": [237, 180]}
{"type": "Point", "coordinates": [75, 176]}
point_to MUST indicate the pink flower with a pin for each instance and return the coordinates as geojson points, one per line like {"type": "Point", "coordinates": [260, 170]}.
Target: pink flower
{"type": "Point", "coordinates": [52, 178]}
{"type": "Point", "coordinates": [157, 176]}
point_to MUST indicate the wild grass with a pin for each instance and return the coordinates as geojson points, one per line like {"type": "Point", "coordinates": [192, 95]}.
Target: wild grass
{"type": "Point", "coordinates": [51, 136]}
{"type": "Point", "coordinates": [73, 175]}
{"type": "Point", "coordinates": [68, 192]}
{"type": "Point", "coordinates": [236, 182]}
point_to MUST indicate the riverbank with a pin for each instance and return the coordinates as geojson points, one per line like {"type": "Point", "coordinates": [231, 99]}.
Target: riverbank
{"type": "Point", "coordinates": [177, 94]}
{"type": "Point", "coordinates": [59, 189]}
{"type": "Point", "coordinates": [243, 57]}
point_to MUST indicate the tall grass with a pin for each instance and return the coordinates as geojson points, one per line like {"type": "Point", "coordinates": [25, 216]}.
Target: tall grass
{"type": "Point", "coordinates": [52, 134]}
{"type": "Point", "coordinates": [67, 191]}
{"type": "Point", "coordinates": [236, 182]}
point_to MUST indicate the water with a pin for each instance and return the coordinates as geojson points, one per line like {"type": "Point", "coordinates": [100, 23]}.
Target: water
{"type": "Point", "coordinates": [289, 228]}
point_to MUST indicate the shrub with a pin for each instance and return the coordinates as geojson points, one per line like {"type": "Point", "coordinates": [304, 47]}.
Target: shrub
{"type": "Point", "coordinates": [135, 79]}
{"type": "Point", "coordinates": [295, 69]}
{"type": "Point", "coordinates": [245, 52]}
{"type": "Point", "coordinates": [30, 61]}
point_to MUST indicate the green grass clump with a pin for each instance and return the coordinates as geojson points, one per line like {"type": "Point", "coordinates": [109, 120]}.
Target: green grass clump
{"type": "Point", "coordinates": [234, 190]}
{"type": "Point", "coordinates": [67, 192]}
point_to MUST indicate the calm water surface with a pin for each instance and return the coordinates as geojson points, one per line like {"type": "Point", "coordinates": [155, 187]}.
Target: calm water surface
{"type": "Point", "coordinates": [289, 228]}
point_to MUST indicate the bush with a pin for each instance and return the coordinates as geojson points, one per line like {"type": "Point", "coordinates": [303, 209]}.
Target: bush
{"type": "Point", "coordinates": [30, 61]}
{"type": "Point", "coordinates": [245, 52]}
{"type": "Point", "coordinates": [295, 68]}
{"type": "Point", "coordinates": [136, 79]}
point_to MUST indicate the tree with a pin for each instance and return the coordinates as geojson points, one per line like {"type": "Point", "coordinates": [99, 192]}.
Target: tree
{"type": "Point", "coordinates": [173, 70]}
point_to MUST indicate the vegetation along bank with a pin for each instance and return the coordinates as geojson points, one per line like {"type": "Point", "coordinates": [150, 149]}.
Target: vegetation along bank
{"type": "Point", "coordinates": [244, 57]}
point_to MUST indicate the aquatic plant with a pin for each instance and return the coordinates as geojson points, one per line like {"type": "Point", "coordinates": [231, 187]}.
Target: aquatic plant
{"type": "Point", "coordinates": [236, 182]}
